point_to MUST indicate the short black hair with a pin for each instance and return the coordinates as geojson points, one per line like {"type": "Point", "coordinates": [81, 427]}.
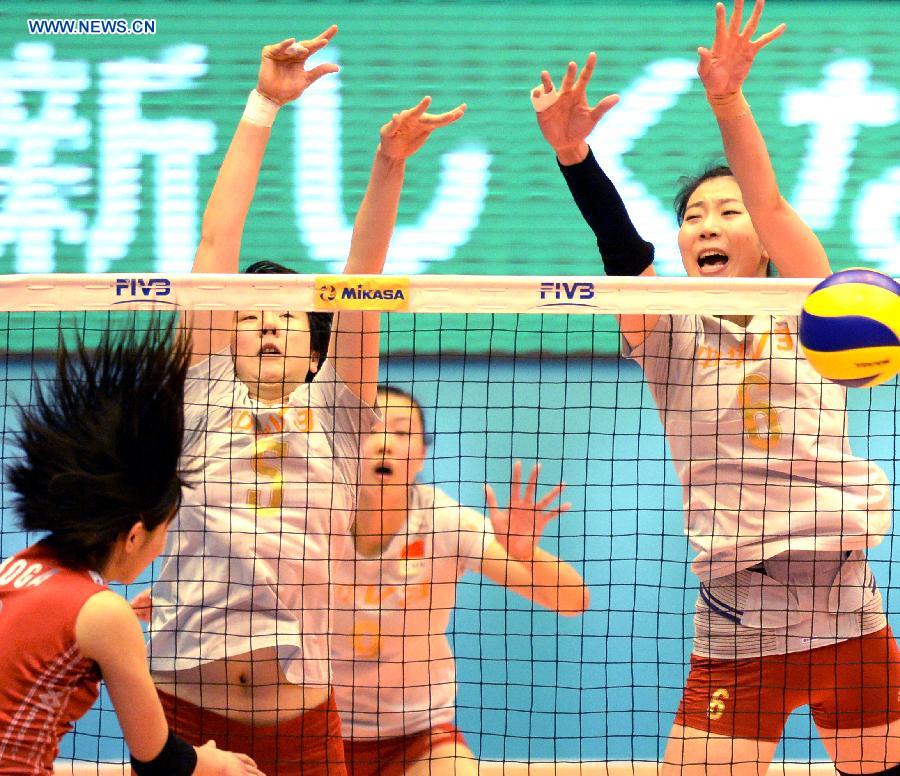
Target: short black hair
{"type": "Point", "coordinates": [319, 323]}
{"type": "Point", "coordinates": [393, 390]}
{"type": "Point", "coordinates": [101, 442]}
{"type": "Point", "coordinates": [688, 184]}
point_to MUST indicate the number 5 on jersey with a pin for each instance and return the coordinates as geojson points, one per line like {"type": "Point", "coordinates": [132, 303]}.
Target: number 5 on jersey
{"type": "Point", "coordinates": [268, 456]}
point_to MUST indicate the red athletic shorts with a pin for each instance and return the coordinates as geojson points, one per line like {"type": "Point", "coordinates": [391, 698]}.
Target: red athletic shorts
{"type": "Point", "coordinates": [391, 756]}
{"type": "Point", "coordinates": [852, 684]}
{"type": "Point", "coordinates": [307, 745]}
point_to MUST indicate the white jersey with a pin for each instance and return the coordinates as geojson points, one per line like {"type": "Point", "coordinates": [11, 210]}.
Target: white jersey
{"type": "Point", "coordinates": [247, 564]}
{"type": "Point", "coordinates": [394, 673]}
{"type": "Point", "coordinates": [760, 444]}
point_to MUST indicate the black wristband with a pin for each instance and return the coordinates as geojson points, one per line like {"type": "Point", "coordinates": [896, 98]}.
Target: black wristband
{"type": "Point", "coordinates": [622, 249]}
{"type": "Point", "coordinates": [177, 758]}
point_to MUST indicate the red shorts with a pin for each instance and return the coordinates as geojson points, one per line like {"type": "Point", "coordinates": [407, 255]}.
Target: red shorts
{"type": "Point", "coordinates": [849, 685]}
{"type": "Point", "coordinates": [307, 745]}
{"type": "Point", "coordinates": [391, 756]}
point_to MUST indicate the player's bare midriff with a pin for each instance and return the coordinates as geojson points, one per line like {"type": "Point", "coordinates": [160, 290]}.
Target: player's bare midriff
{"type": "Point", "coordinates": [249, 688]}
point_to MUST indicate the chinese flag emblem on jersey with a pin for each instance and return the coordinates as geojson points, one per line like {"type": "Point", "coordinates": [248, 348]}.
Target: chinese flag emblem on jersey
{"type": "Point", "coordinates": [412, 558]}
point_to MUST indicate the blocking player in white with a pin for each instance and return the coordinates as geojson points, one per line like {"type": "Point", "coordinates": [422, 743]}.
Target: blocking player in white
{"type": "Point", "coordinates": [394, 672]}
{"type": "Point", "coordinates": [240, 623]}
{"type": "Point", "coordinates": [777, 507]}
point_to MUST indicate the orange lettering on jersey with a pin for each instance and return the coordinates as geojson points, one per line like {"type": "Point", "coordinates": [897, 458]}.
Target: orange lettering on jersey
{"type": "Point", "coordinates": [366, 638]}
{"type": "Point", "coordinates": [783, 338]}
{"type": "Point", "coordinates": [301, 419]}
{"type": "Point", "coordinates": [761, 347]}
{"type": "Point", "coordinates": [242, 420]}
{"type": "Point", "coordinates": [274, 422]}
{"type": "Point", "coordinates": [376, 594]}
{"type": "Point", "coordinates": [270, 422]}
{"type": "Point", "coordinates": [709, 356]}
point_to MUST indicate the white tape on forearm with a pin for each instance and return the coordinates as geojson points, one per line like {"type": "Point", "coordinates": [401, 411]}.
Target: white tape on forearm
{"type": "Point", "coordinates": [260, 110]}
{"type": "Point", "coordinates": [544, 99]}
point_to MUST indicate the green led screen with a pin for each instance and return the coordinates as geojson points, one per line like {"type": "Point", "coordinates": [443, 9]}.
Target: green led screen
{"type": "Point", "coordinates": [109, 144]}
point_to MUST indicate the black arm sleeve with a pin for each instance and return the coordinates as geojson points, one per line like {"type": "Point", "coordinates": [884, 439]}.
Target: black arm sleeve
{"type": "Point", "coordinates": [177, 758]}
{"type": "Point", "coordinates": [622, 249]}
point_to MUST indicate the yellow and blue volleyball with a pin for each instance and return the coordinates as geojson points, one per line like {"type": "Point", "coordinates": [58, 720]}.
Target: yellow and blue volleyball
{"type": "Point", "coordinates": [850, 328]}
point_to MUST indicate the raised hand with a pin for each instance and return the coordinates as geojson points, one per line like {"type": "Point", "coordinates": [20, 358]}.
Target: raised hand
{"type": "Point", "coordinates": [519, 527]}
{"type": "Point", "coordinates": [569, 119]}
{"type": "Point", "coordinates": [408, 130]}
{"type": "Point", "coordinates": [282, 73]}
{"type": "Point", "coordinates": [724, 67]}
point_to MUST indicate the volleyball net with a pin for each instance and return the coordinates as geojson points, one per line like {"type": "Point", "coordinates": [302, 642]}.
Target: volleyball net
{"type": "Point", "coordinates": [532, 369]}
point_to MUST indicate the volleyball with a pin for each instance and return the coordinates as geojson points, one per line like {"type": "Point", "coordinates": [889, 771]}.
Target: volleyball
{"type": "Point", "coordinates": [850, 328]}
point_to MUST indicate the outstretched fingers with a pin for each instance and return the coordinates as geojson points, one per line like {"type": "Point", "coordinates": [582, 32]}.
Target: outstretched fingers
{"type": "Point", "coordinates": [550, 497]}
{"type": "Point", "coordinates": [721, 29]}
{"type": "Point", "coordinates": [737, 15]}
{"type": "Point", "coordinates": [491, 500]}
{"type": "Point", "coordinates": [584, 77]}
{"type": "Point", "coordinates": [568, 80]}
{"type": "Point", "coordinates": [531, 488]}
{"type": "Point", "coordinates": [319, 41]}
{"type": "Point", "coordinates": [419, 109]}
{"type": "Point", "coordinates": [515, 485]}
{"type": "Point", "coordinates": [752, 25]}
{"type": "Point", "coordinates": [435, 120]}
{"type": "Point", "coordinates": [604, 106]}
{"type": "Point", "coordinates": [753, 21]}
{"type": "Point", "coordinates": [328, 33]}
{"type": "Point", "coordinates": [319, 70]}
{"type": "Point", "coordinates": [765, 40]}
{"type": "Point", "coordinates": [289, 48]}
{"type": "Point", "coordinates": [546, 82]}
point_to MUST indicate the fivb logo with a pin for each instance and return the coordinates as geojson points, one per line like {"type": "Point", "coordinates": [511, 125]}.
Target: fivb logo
{"type": "Point", "coordinates": [131, 290]}
{"type": "Point", "coordinates": [575, 293]}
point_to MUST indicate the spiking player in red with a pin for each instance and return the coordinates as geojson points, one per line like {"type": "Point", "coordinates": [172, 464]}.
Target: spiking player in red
{"type": "Point", "coordinates": [99, 474]}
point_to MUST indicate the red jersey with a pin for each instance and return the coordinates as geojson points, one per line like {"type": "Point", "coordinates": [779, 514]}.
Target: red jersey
{"type": "Point", "coordinates": [45, 683]}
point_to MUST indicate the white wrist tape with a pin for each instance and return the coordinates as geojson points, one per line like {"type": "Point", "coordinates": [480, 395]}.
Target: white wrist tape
{"type": "Point", "coordinates": [260, 110]}
{"type": "Point", "coordinates": [544, 99]}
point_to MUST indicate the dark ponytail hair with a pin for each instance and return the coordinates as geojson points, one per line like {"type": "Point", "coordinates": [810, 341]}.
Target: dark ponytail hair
{"type": "Point", "coordinates": [101, 442]}
{"type": "Point", "coordinates": [393, 390]}
{"type": "Point", "coordinates": [319, 323]}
